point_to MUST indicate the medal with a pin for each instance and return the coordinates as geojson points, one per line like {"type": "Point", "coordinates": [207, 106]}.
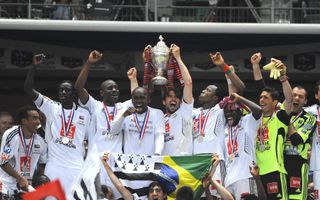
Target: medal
{"type": "Point", "coordinates": [200, 138]}
{"type": "Point", "coordinates": [231, 157]}
{"type": "Point", "coordinates": [203, 122]}
{"type": "Point", "coordinates": [27, 150]}
{"type": "Point", "coordinates": [261, 147]}
{"type": "Point", "coordinates": [109, 136]}
{"type": "Point", "coordinates": [109, 117]}
{"type": "Point", "coordinates": [65, 140]}
{"type": "Point", "coordinates": [142, 129]}
{"type": "Point", "coordinates": [65, 132]}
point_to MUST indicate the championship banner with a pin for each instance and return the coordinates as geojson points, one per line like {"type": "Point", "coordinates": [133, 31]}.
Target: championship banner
{"type": "Point", "coordinates": [137, 172]}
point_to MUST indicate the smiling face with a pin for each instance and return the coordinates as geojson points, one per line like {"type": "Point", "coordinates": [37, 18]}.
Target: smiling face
{"type": "Point", "coordinates": [208, 95]}
{"type": "Point", "coordinates": [299, 99]}
{"type": "Point", "coordinates": [109, 91]}
{"type": "Point", "coordinates": [32, 121]}
{"type": "Point", "coordinates": [66, 93]}
{"type": "Point", "coordinates": [140, 100]}
{"type": "Point", "coordinates": [267, 103]}
{"type": "Point", "coordinates": [171, 102]}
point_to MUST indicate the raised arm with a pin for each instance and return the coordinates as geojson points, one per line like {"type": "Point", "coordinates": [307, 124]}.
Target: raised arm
{"type": "Point", "coordinates": [187, 89]}
{"type": "Point", "coordinates": [231, 87]}
{"type": "Point", "coordinates": [132, 76]}
{"type": "Point", "coordinates": [83, 95]}
{"type": "Point", "coordinates": [257, 75]}
{"type": "Point", "coordinates": [29, 81]}
{"type": "Point", "coordinates": [117, 123]}
{"type": "Point", "coordinates": [125, 193]}
{"type": "Point", "coordinates": [222, 191]}
{"type": "Point", "coordinates": [286, 87]}
{"type": "Point", "coordinates": [255, 108]}
{"type": "Point", "coordinates": [218, 60]}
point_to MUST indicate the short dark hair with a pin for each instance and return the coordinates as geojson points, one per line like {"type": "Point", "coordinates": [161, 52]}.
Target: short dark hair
{"type": "Point", "coordinates": [317, 87]}
{"type": "Point", "coordinates": [23, 112]}
{"type": "Point", "coordinates": [176, 91]}
{"type": "Point", "coordinates": [275, 95]}
{"type": "Point", "coordinates": [184, 193]}
{"type": "Point", "coordinates": [153, 184]}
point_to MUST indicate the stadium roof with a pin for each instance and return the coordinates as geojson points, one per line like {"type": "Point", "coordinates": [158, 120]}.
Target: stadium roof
{"type": "Point", "coordinates": [115, 35]}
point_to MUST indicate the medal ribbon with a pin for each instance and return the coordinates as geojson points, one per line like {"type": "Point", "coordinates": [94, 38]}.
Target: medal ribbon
{"type": "Point", "coordinates": [142, 129]}
{"type": "Point", "coordinates": [27, 149]}
{"type": "Point", "coordinates": [295, 119]}
{"type": "Point", "coordinates": [106, 112]}
{"type": "Point", "coordinates": [203, 121]}
{"type": "Point", "coordinates": [232, 139]}
{"type": "Point", "coordinates": [262, 128]}
{"type": "Point", "coordinates": [66, 126]}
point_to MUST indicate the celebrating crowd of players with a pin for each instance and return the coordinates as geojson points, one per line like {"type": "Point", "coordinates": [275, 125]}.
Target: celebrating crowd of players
{"type": "Point", "coordinates": [259, 149]}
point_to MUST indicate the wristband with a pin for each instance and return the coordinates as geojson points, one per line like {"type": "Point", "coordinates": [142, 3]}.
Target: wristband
{"type": "Point", "coordinates": [283, 78]}
{"type": "Point", "coordinates": [226, 68]}
{"type": "Point", "coordinates": [229, 71]}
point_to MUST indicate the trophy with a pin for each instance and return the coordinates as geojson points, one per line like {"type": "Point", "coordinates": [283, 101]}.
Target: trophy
{"type": "Point", "coordinates": [159, 57]}
{"type": "Point", "coordinates": [160, 62]}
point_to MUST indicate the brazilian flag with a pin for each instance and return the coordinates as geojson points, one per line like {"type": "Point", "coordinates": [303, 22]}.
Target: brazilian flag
{"type": "Point", "coordinates": [178, 171]}
{"type": "Point", "coordinates": [137, 171]}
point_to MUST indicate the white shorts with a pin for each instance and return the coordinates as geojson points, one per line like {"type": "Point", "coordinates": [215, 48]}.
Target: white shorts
{"type": "Point", "coordinates": [242, 187]}
{"type": "Point", "coordinates": [64, 174]}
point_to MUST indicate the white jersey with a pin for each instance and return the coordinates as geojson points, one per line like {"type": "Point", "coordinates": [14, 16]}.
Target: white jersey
{"type": "Point", "coordinates": [65, 139]}
{"type": "Point", "coordinates": [315, 151]}
{"type": "Point", "coordinates": [205, 130]}
{"type": "Point", "coordinates": [178, 127]}
{"type": "Point", "coordinates": [111, 143]}
{"type": "Point", "coordinates": [239, 149]}
{"type": "Point", "coordinates": [143, 133]}
{"type": "Point", "coordinates": [22, 154]}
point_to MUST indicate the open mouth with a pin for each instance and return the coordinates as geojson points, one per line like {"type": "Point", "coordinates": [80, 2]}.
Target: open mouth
{"type": "Point", "coordinates": [172, 104]}
{"type": "Point", "coordinates": [230, 121]}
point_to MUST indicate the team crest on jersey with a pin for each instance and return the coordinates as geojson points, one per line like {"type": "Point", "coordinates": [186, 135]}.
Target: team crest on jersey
{"type": "Point", "coordinates": [6, 149]}
{"type": "Point", "coordinates": [295, 182]}
{"type": "Point", "coordinates": [272, 188]}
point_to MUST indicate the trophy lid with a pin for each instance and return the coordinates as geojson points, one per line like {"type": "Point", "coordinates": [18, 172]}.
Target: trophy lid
{"type": "Point", "coordinates": [161, 45]}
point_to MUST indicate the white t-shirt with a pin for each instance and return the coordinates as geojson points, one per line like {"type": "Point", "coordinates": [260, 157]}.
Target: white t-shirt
{"type": "Point", "coordinates": [178, 136]}
{"type": "Point", "coordinates": [105, 141]}
{"type": "Point", "coordinates": [211, 122]}
{"type": "Point", "coordinates": [65, 154]}
{"type": "Point", "coordinates": [14, 148]}
{"type": "Point", "coordinates": [315, 151]}
{"type": "Point", "coordinates": [153, 140]}
{"type": "Point", "coordinates": [239, 149]}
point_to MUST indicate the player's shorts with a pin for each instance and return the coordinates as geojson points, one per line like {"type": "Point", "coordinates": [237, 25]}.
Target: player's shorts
{"type": "Point", "coordinates": [275, 185]}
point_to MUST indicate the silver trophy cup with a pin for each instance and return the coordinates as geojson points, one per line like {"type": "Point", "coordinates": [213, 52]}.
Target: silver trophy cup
{"type": "Point", "coordinates": [159, 57]}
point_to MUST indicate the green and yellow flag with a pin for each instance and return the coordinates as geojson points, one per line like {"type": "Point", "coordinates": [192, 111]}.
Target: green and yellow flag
{"type": "Point", "coordinates": [137, 171]}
